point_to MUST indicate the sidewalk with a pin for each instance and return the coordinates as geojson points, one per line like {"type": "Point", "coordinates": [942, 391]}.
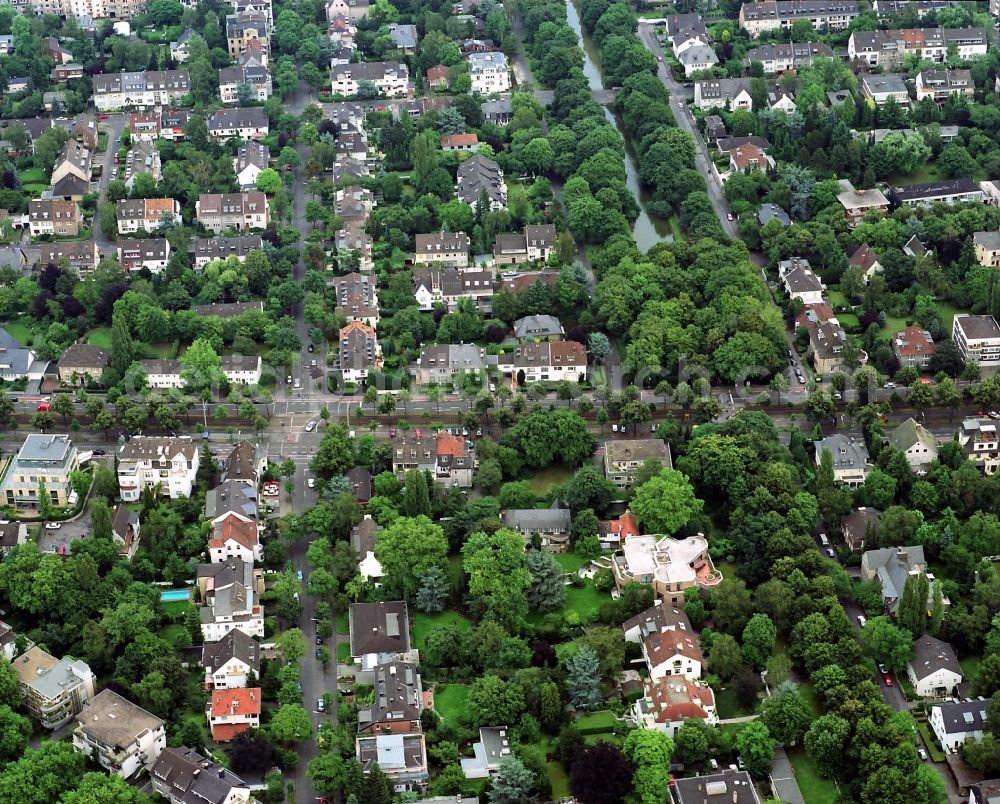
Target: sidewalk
{"type": "Point", "coordinates": [783, 778]}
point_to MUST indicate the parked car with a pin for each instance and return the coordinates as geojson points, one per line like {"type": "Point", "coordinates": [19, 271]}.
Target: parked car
{"type": "Point", "coordinates": [311, 482]}
{"type": "Point", "coordinates": [319, 654]}
{"type": "Point", "coordinates": [319, 640]}
{"type": "Point", "coordinates": [993, 414]}
{"type": "Point", "coordinates": [922, 754]}
{"type": "Point", "coordinates": [889, 386]}
{"type": "Point", "coordinates": [862, 620]}
{"type": "Point", "coordinates": [829, 552]}
{"type": "Point", "coordinates": [319, 704]}
{"type": "Point", "coordinates": [392, 432]}
{"type": "Point", "coordinates": [887, 679]}
{"type": "Point", "coordinates": [311, 348]}
{"type": "Point", "coordinates": [53, 525]}
{"type": "Point", "coordinates": [882, 668]}
{"type": "Point", "coordinates": [288, 380]}
{"type": "Point", "coordinates": [99, 452]}
{"type": "Point", "coordinates": [310, 425]}
{"type": "Point", "coordinates": [729, 216]}
{"type": "Point", "coordinates": [298, 574]}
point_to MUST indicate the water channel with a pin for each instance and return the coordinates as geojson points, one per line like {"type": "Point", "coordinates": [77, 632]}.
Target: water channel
{"type": "Point", "coordinates": [648, 230]}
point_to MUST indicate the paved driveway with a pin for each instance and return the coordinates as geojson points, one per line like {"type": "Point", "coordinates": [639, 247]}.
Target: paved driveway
{"type": "Point", "coordinates": [783, 779]}
{"type": "Point", "coordinates": [50, 540]}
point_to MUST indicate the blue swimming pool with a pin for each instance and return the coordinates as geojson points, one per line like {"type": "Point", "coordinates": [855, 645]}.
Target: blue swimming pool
{"type": "Point", "coordinates": [175, 594]}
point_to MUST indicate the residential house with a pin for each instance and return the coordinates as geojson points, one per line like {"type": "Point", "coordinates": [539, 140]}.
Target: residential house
{"type": "Point", "coordinates": [379, 633]}
{"type": "Point", "coordinates": [781, 57]}
{"type": "Point", "coordinates": [183, 776]}
{"type": "Point", "coordinates": [448, 363]}
{"type": "Point", "coordinates": [952, 191]}
{"type": "Point", "coordinates": [361, 479]}
{"type": "Point", "coordinates": [671, 652]}
{"type": "Point", "coordinates": [230, 660]}
{"type": "Point", "coordinates": [526, 280]}
{"type": "Point", "coordinates": [954, 722]}
{"type": "Point", "coordinates": [55, 690]}
{"type": "Point", "coordinates": [978, 339]}
{"type": "Point", "coordinates": [800, 282]}
{"type": "Point", "coordinates": [230, 594]}
{"type": "Point", "coordinates": [670, 701]}
{"type": "Point", "coordinates": [493, 745]}
{"type": "Point", "coordinates": [882, 88]}
{"type": "Point", "coordinates": [125, 530]}
{"type": "Point", "coordinates": [731, 786]}
{"type": "Point", "coordinates": [353, 205]}
{"type": "Point", "coordinates": [550, 525]}
{"type": "Point", "coordinates": [481, 178]}
{"type": "Point", "coordinates": [890, 567]}
{"type": "Point", "coordinates": [450, 249]}
{"type": "Point", "coordinates": [167, 465]}
{"type": "Point", "coordinates": [364, 535]}
{"type": "Point", "coordinates": [914, 248]}
{"type": "Point", "coordinates": [771, 15]}
{"type": "Point", "coordinates": [917, 443]}
{"type": "Point", "coordinates": [244, 29]}
{"type": "Point", "coordinates": [73, 160]}
{"type": "Point", "coordinates": [659, 617]}
{"type": "Point", "coordinates": [985, 792]}
{"type": "Point", "coordinates": [447, 457]}
{"type": "Point", "coordinates": [934, 670]}
{"type": "Point", "coordinates": [233, 711]}
{"type": "Point", "coordinates": [231, 537]}
{"type": "Point", "coordinates": [981, 444]}
{"type": "Point", "coordinates": [490, 73]}
{"type": "Point", "coordinates": [669, 565]}
{"type": "Point", "coordinates": [179, 48]}
{"type": "Point", "coordinates": [772, 212]}
{"type": "Point", "coordinates": [397, 702]}
{"type": "Point", "coordinates": [781, 99]}
{"type": "Point", "coordinates": [122, 737]}
{"type": "Point", "coordinates": [245, 464]}
{"type": "Point", "coordinates": [172, 123]}
{"type": "Point", "coordinates": [352, 9]}
{"type": "Point", "coordinates": [357, 298]}
{"type": "Point", "coordinates": [987, 246]}
{"type": "Point", "coordinates": [459, 142]}
{"type": "Point", "coordinates": [248, 123]}
{"type": "Point", "coordinates": [401, 757]}
{"type": "Point", "coordinates": [697, 56]}
{"type": "Point", "coordinates": [146, 214]}
{"type": "Point", "coordinates": [245, 82]}
{"type": "Point", "coordinates": [858, 203]}
{"type": "Point", "coordinates": [16, 362]}
{"type": "Point", "coordinates": [826, 338]}
{"type": "Point", "coordinates": [888, 48]}
{"type": "Point", "coordinates": [437, 77]}
{"type": "Point", "coordinates": [161, 374]}
{"type": "Point", "coordinates": [58, 217]}
{"type": "Point", "coordinates": [940, 84]}
{"type": "Point", "coordinates": [865, 258]}
{"type": "Point", "coordinates": [622, 459]}
{"type": "Point", "coordinates": [723, 93]}
{"type": "Point", "coordinates": [532, 245]}
{"type": "Point", "coordinates": [859, 525]}
{"type": "Point", "coordinates": [611, 533]}
{"type": "Point", "coordinates": [232, 498]}
{"type": "Point", "coordinates": [446, 286]}
{"type": "Point", "coordinates": [404, 37]}
{"type": "Point", "coordinates": [498, 111]}
{"type": "Point", "coordinates": [851, 464]}
{"type": "Point", "coordinates": [748, 159]}
{"type": "Point", "coordinates": [11, 535]}
{"type": "Point", "coordinates": [210, 249]}
{"type": "Point", "coordinates": [715, 129]}
{"type": "Point", "coordinates": [391, 78]}
{"type": "Point", "coordinates": [43, 458]}
{"type": "Point", "coordinates": [547, 361]}
{"type": "Point", "coordinates": [82, 363]}
{"type": "Point", "coordinates": [242, 212]}
{"type": "Point", "coordinates": [538, 328]}
{"type": "Point", "coordinates": [131, 90]}
{"type": "Point", "coordinates": [152, 254]}
{"type": "Point", "coordinates": [359, 352]}
{"type": "Point", "coordinates": [14, 256]}
{"type": "Point", "coordinates": [889, 8]}
{"type": "Point", "coordinates": [991, 190]}
{"type": "Point", "coordinates": [8, 639]}
{"type": "Point", "coordinates": [80, 255]}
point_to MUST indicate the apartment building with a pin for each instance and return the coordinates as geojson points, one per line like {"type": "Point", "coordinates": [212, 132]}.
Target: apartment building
{"type": "Point", "coordinates": [481, 179]}
{"type": "Point", "coordinates": [981, 444]}
{"type": "Point", "coordinates": [122, 737]}
{"type": "Point", "coordinates": [80, 255]}
{"type": "Point", "coordinates": [166, 465]}
{"type": "Point", "coordinates": [783, 56]}
{"type": "Point", "coordinates": [357, 298]}
{"type": "Point", "coordinates": [146, 214]}
{"type": "Point", "coordinates": [444, 364]}
{"type": "Point", "coordinates": [232, 537]}
{"type": "Point", "coordinates": [987, 248]}
{"type": "Point", "coordinates": [391, 78]}
{"type": "Point", "coordinates": [153, 254]}
{"type": "Point", "coordinates": [771, 15]}
{"type": "Point", "coordinates": [889, 8]}
{"type": "Point", "coordinates": [44, 458]}
{"type": "Point", "coordinates": [446, 286]}
{"type": "Point", "coordinates": [450, 249]}
{"type": "Point", "coordinates": [230, 598]}
{"type": "Point", "coordinates": [55, 690]}
{"type": "Point", "coordinates": [229, 661]}
{"type": "Point", "coordinates": [622, 459]}
{"type": "Point", "coordinates": [243, 30]}
{"type": "Point", "coordinates": [447, 457]}
{"type": "Point", "coordinates": [978, 339]}
{"type": "Point", "coordinates": [490, 73]}
{"type": "Point", "coordinates": [94, 9]}
{"type": "Point", "coordinates": [231, 712]}
{"type": "Point", "coordinates": [548, 361]}
{"type": "Point", "coordinates": [358, 352]}
{"type": "Point", "coordinates": [210, 249]}
{"type": "Point", "coordinates": [59, 217]}
{"type": "Point", "coordinates": [940, 84]}
{"type": "Point", "coordinates": [951, 191]}
{"type": "Point", "coordinates": [914, 346]}
{"type": "Point", "coordinates": [256, 77]}
{"type": "Point", "coordinates": [140, 90]}
{"type": "Point", "coordinates": [242, 123]}
{"type": "Point", "coordinates": [241, 212]}
{"type": "Point", "coordinates": [533, 244]}
{"type": "Point", "coordinates": [886, 49]}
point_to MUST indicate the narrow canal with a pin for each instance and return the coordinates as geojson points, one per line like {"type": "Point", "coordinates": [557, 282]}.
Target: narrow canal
{"type": "Point", "coordinates": [648, 230]}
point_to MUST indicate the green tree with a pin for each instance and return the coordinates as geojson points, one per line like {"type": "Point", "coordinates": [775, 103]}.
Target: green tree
{"type": "Point", "coordinates": [14, 732]}
{"type": "Point", "coordinates": [406, 549]}
{"type": "Point", "coordinates": [756, 746]}
{"type": "Point", "coordinates": [826, 742]}
{"type": "Point", "coordinates": [665, 503]}
{"type": "Point", "coordinates": [786, 714]}
{"type": "Point", "coordinates": [725, 657]}
{"type": "Point", "coordinates": [290, 724]}
{"type": "Point", "coordinates": [884, 641]}
{"type": "Point", "coordinates": [759, 638]}
{"type": "Point", "coordinates": [432, 596]}
{"type": "Point", "coordinates": [492, 700]}
{"type": "Point", "coordinates": [912, 612]}
{"type": "Point", "coordinates": [497, 575]}
{"type": "Point", "coordinates": [201, 366]}
{"type": "Point", "coordinates": [512, 783]}
{"type": "Point", "coordinates": [416, 499]}
{"type": "Point", "coordinates": [547, 591]}
{"type": "Point", "coordinates": [583, 681]}
{"type": "Point", "coordinates": [649, 752]}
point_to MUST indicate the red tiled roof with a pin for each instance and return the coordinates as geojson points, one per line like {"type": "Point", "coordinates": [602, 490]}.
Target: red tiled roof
{"type": "Point", "coordinates": [567, 353]}
{"type": "Point", "coordinates": [824, 312]}
{"type": "Point", "coordinates": [458, 140]}
{"type": "Point", "coordinates": [664, 645]}
{"type": "Point", "coordinates": [450, 445]}
{"type": "Point", "coordinates": [354, 325]}
{"type": "Point", "coordinates": [437, 73]}
{"type": "Point", "coordinates": [625, 526]}
{"type": "Point", "coordinates": [243, 533]}
{"type": "Point", "coordinates": [676, 699]}
{"type": "Point", "coordinates": [747, 155]}
{"type": "Point", "coordinates": [227, 732]}
{"type": "Point", "coordinates": [246, 700]}
{"type": "Point", "coordinates": [906, 343]}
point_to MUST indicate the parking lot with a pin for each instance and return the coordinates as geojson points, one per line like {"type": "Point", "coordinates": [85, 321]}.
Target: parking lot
{"type": "Point", "coordinates": [50, 540]}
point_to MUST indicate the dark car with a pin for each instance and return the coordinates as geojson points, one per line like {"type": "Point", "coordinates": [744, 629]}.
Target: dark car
{"type": "Point", "coordinates": [319, 654]}
{"type": "Point", "coordinates": [312, 348]}
{"type": "Point", "coordinates": [99, 452]}
{"type": "Point", "coordinates": [319, 640]}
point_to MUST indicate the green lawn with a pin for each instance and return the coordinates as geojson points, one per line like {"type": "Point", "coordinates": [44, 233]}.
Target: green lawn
{"type": "Point", "coordinates": [176, 607]}
{"type": "Point", "coordinates": [544, 479]}
{"type": "Point", "coordinates": [675, 228]}
{"type": "Point", "coordinates": [585, 601]}
{"type": "Point", "coordinates": [342, 624]}
{"type": "Point", "coordinates": [970, 667]}
{"type": "Point", "coordinates": [596, 722]}
{"type": "Point", "coordinates": [34, 189]}
{"type": "Point", "coordinates": [570, 562]}
{"type": "Point", "coordinates": [174, 633]}
{"type": "Point", "coordinates": [727, 705]}
{"type": "Point", "coordinates": [450, 701]}
{"type": "Point", "coordinates": [20, 332]}
{"type": "Point", "coordinates": [933, 747]}
{"type": "Point", "coordinates": [815, 789]}
{"type": "Point", "coordinates": [559, 780]}
{"type": "Point", "coordinates": [422, 623]}
{"type": "Point", "coordinates": [100, 337]}
{"type": "Point", "coordinates": [32, 176]}
{"type": "Point", "coordinates": [343, 652]}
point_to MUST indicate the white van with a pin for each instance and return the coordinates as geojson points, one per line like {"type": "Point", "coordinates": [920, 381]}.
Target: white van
{"type": "Point", "coordinates": [823, 540]}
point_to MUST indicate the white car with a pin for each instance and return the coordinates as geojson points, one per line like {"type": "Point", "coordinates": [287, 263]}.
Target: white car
{"type": "Point", "coordinates": [310, 425]}
{"type": "Point", "coordinates": [319, 704]}
{"type": "Point", "coordinates": [53, 525]}
{"type": "Point", "coordinates": [862, 620]}
{"type": "Point", "coordinates": [311, 482]}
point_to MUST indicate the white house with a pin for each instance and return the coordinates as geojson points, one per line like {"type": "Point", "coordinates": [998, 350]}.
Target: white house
{"type": "Point", "coordinates": [122, 737]}
{"type": "Point", "coordinates": [250, 160]}
{"type": "Point", "coordinates": [672, 653]}
{"type": "Point", "coordinates": [934, 670]}
{"type": "Point", "coordinates": [167, 465]}
{"type": "Point", "coordinates": [232, 537]}
{"type": "Point", "coordinates": [232, 712]}
{"type": "Point", "coordinates": [229, 594]}
{"type": "Point", "coordinates": [955, 722]}
{"type": "Point", "coordinates": [799, 280]}
{"type": "Point", "coordinates": [228, 661]}
{"type": "Point", "coordinates": [917, 443]}
{"type": "Point", "coordinates": [490, 73]}
{"type": "Point", "coordinates": [668, 702]}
